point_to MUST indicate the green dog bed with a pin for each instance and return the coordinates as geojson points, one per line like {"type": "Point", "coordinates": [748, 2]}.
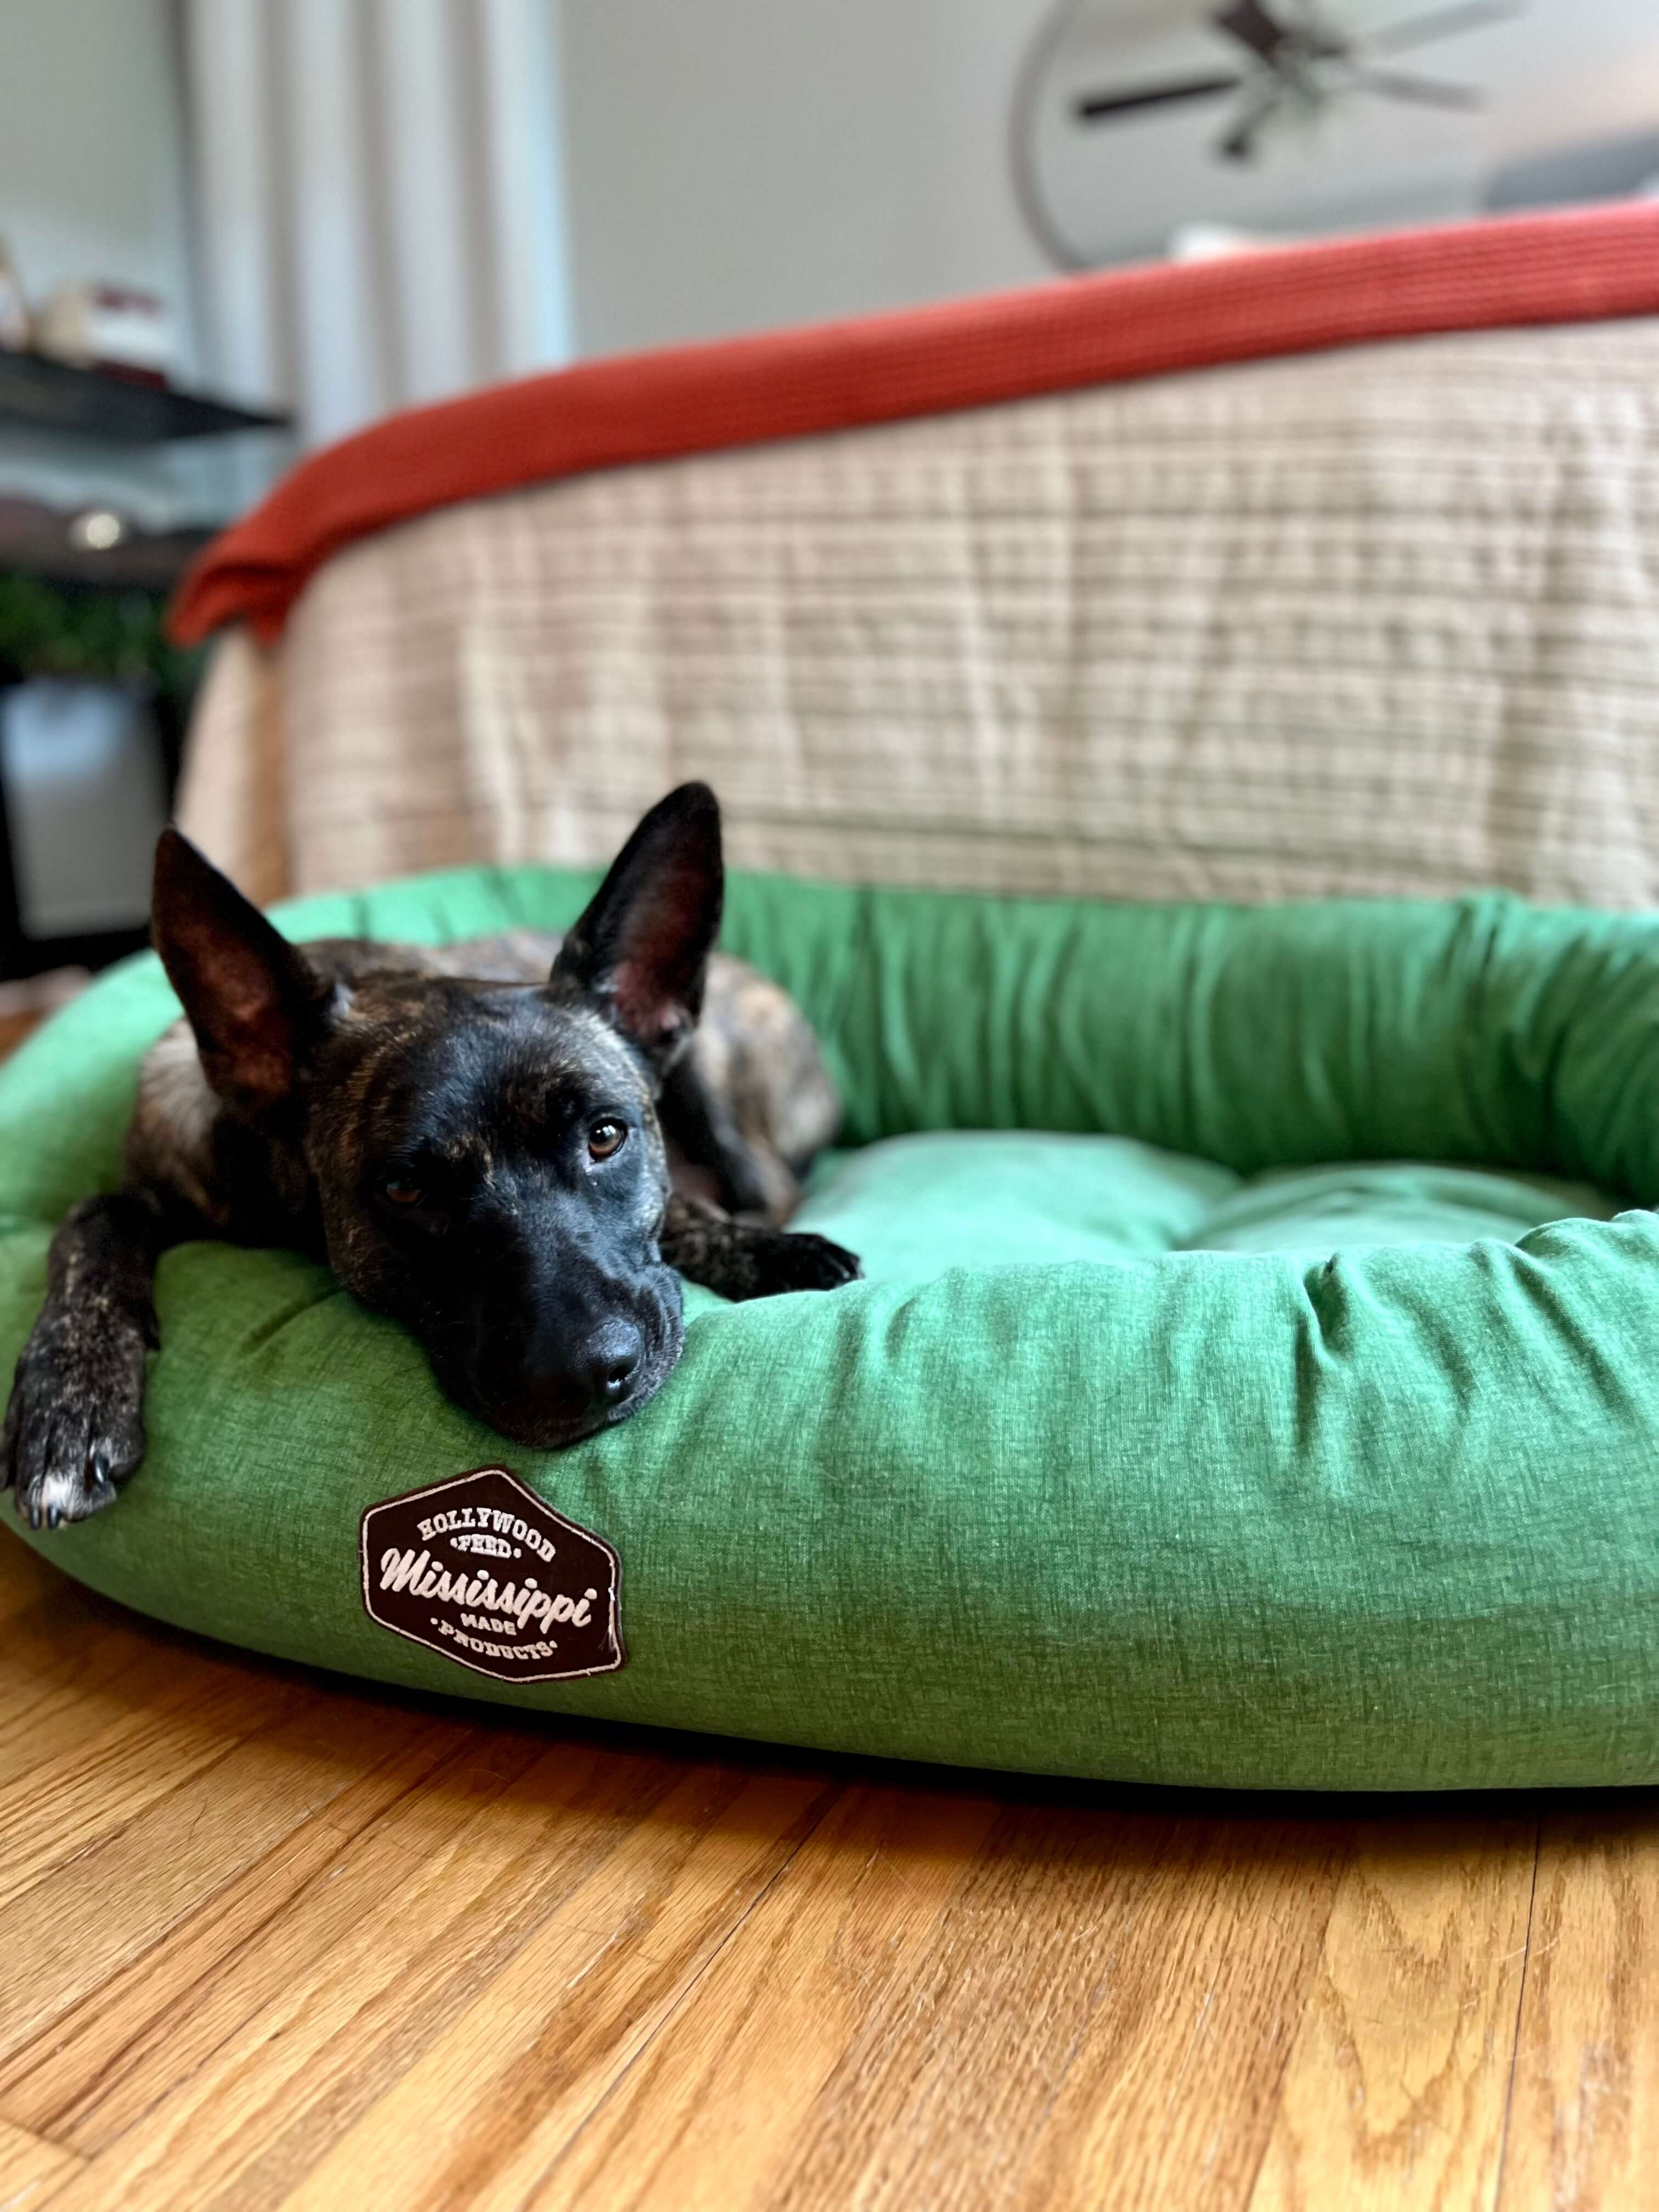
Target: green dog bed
{"type": "Point", "coordinates": [1255, 1382]}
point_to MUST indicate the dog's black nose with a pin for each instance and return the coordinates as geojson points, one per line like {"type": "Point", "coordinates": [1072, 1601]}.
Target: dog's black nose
{"type": "Point", "coordinates": [608, 1362]}
{"type": "Point", "coordinates": [569, 1387]}
{"type": "Point", "coordinates": [591, 1375]}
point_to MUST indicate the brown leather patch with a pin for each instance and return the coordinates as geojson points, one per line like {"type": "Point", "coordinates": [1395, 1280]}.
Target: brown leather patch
{"type": "Point", "coordinates": [480, 1569]}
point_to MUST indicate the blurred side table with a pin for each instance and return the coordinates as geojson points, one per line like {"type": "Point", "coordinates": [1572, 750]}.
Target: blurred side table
{"type": "Point", "coordinates": [90, 735]}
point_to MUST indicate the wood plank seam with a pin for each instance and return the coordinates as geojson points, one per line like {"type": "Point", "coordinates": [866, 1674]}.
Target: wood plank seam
{"type": "Point", "coordinates": [1018, 2180]}
{"type": "Point", "coordinates": [687, 1866]}
{"type": "Point", "coordinates": [1520, 2017]}
{"type": "Point", "coordinates": [1397, 2087]}
{"type": "Point", "coordinates": [32, 2170]}
{"type": "Point", "coordinates": [191, 1779]}
{"type": "Point", "coordinates": [251, 2121]}
{"type": "Point", "coordinates": [1247, 2194]}
{"type": "Point", "coordinates": [337, 1839]}
{"type": "Point", "coordinates": [830, 1802]}
{"type": "Point", "coordinates": [253, 1935]}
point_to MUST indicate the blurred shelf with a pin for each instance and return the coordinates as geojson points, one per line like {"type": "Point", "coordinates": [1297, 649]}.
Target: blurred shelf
{"type": "Point", "coordinates": [89, 403]}
{"type": "Point", "coordinates": [40, 541]}
{"type": "Point", "coordinates": [22, 956]}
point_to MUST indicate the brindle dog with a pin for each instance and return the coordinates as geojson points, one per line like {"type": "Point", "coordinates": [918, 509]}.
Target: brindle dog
{"type": "Point", "coordinates": [509, 1148]}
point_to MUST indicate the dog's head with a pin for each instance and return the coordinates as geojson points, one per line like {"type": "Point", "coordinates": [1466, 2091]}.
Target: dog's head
{"type": "Point", "coordinates": [485, 1159]}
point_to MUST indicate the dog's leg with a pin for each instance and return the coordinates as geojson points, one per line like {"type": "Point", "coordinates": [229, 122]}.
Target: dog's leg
{"type": "Point", "coordinates": [748, 1177]}
{"type": "Point", "coordinates": [73, 1425]}
{"type": "Point", "coordinates": [745, 1259]}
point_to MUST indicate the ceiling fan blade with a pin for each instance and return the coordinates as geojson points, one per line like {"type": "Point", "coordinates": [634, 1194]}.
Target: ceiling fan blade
{"type": "Point", "coordinates": [1422, 90]}
{"type": "Point", "coordinates": [1441, 23]}
{"type": "Point", "coordinates": [1238, 142]}
{"type": "Point", "coordinates": [1098, 107]}
{"type": "Point", "coordinates": [1249, 21]}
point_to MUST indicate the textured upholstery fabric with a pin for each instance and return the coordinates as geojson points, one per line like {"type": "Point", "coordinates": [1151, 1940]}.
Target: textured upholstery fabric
{"type": "Point", "coordinates": [1578, 264]}
{"type": "Point", "coordinates": [1088, 1476]}
{"type": "Point", "coordinates": [1380, 622]}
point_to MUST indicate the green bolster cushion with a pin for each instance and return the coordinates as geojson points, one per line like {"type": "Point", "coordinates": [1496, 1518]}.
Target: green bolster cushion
{"type": "Point", "coordinates": [1256, 1381]}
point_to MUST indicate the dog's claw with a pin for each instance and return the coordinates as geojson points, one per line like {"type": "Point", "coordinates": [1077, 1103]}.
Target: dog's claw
{"type": "Point", "coordinates": [74, 1426]}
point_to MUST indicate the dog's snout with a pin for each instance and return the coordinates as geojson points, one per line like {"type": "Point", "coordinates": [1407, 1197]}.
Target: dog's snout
{"type": "Point", "coordinates": [548, 1361]}
{"type": "Point", "coordinates": [609, 1361]}
{"type": "Point", "coordinates": [579, 1381]}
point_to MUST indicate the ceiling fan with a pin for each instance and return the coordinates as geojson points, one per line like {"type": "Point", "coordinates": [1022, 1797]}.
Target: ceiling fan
{"type": "Point", "coordinates": [1299, 61]}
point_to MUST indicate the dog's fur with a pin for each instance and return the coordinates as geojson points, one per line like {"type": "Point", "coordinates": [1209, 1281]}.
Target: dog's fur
{"type": "Point", "coordinates": [509, 1147]}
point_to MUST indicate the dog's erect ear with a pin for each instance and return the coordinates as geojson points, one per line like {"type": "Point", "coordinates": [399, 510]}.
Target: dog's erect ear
{"type": "Point", "coordinates": [641, 949]}
{"type": "Point", "coordinates": [254, 1002]}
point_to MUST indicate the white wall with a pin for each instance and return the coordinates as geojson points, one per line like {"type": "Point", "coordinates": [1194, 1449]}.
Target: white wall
{"type": "Point", "coordinates": [398, 198]}
{"type": "Point", "coordinates": [92, 185]}
{"type": "Point", "coordinates": [736, 163]}
{"type": "Point", "coordinates": [733, 164]}
{"type": "Point", "coordinates": [91, 148]}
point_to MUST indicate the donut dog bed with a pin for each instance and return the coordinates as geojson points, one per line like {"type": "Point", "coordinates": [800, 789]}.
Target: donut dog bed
{"type": "Point", "coordinates": [1255, 1382]}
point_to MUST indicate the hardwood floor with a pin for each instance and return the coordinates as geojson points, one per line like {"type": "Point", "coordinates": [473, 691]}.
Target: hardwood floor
{"type": "Point", "coordinates": [273, 1940]}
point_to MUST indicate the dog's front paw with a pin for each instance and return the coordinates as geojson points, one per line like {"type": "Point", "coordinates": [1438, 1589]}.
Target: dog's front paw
{"type": "Point", "coordinates": [74, 1424]}
{"type": "Point", "coordinates": [803, 1262]}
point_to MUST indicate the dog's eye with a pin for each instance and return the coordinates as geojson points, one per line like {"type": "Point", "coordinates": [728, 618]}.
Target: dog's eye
{"type": "Point", "coordinates": [397, 1192]}
{"type": "Point", "coordinates": [605, 1138]}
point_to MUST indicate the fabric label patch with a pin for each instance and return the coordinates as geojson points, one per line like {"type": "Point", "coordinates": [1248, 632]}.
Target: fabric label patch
{"type": "Point", "coordinates": [480, 1569]}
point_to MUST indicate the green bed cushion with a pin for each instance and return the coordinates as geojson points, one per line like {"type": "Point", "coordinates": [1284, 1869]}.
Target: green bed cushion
{"type": "Point", "coordinates": [1257, 1382]}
